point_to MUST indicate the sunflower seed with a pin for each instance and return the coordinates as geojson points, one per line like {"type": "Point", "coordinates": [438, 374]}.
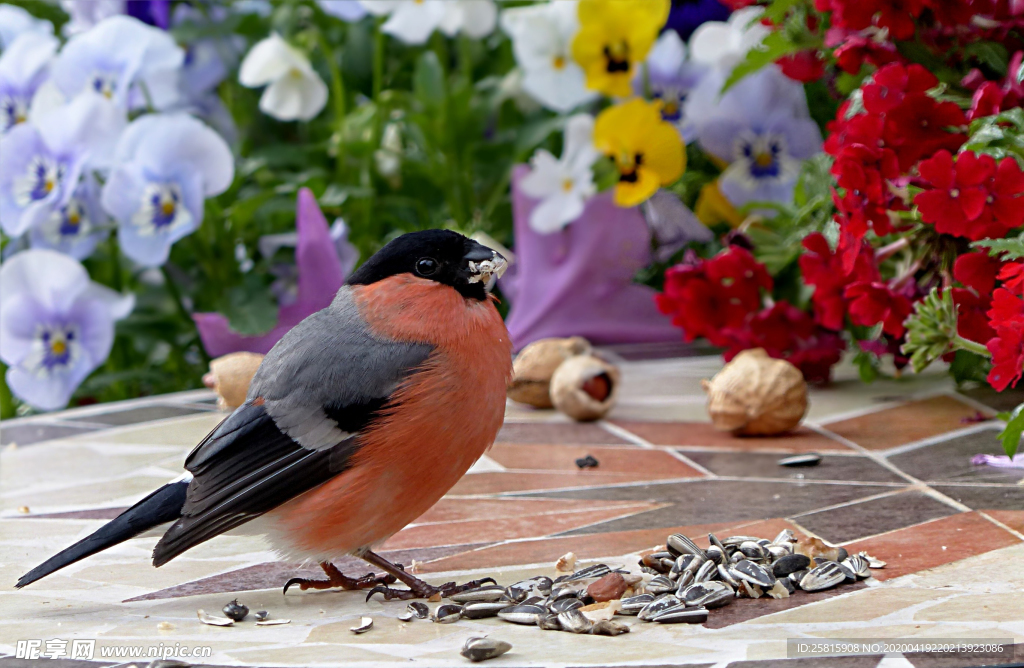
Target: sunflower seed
{"type": "Point", "coordinates": [859, 565]}
{"type": "Point", "coordinates": [235, 610]}
{"type": "Point", "coordinates": [725, 573]}
{"type": "Point", "coordinates": [825, 576]}
{"type": "Point", "coordinates": [448, 613]}
{"type": "Point", "coordinates": [482, 649]}
{"type": "Point", "coordinates": [574, 621]}
{"type": "Point", "coordinates": [680, 544]}
{"type": "Point", "coordinates": [419, 609]}
{"type": "Point", "coordinates": [262, 616]}
{"type": "Point", "coordinates": [483, 609]}
{"type": "Point", "coordinates": [735, 541]}
{"type": "Point", "coordinates": [563, 604]}
{"type": "Point", "coordinates": [213, 621]}
{"type": "Point", "coordinates": [549, 622]}
{"type": "Point", "coordinates": [752, 550]}
{"type": "Point", "coordinates": [715, 554]}
{"type": "Point", "coordinates": [682, 615]}
{"type": "Point", "coordinates": [805, 459]}
{"type": "Point", "coordinates": [873, 562]}
{"type": "Point", "coordinates": [753, 573]}
{"type": "Point", "coordinates": [707, 571]}
{"type": "Point", "coordinates": [365, 624]}
{"type": "Point", "coordinates": [707, 594]}
{"type": "Point", "coordinates": [522, 614]}
{"type": "Point", "coordinates": [790, 564]}
{"type": "Point", "coordinates": [785, 536]}
{"type": "Point", "coordinates": [661, 585]}
{"type": "Point", "coordinates": [657, 606]}
{"type": "Point", "coordinates": [634, 604]}
{"type": "Point", "coordinates": [487, 593]}
{"type": "Point", "coordinates": [407, 616]}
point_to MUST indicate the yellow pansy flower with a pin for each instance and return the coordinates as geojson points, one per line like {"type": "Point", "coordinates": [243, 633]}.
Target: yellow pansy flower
{"type": "Point", "coordinates": [647, 150]}
{"type": "Point", "coordinates": [713, 207]}
{"type": "Point", "coordinates": [614, 36]}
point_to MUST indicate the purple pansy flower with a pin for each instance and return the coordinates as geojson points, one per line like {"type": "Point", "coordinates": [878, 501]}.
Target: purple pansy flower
{"type": "Point", "coordinates": [23, 68]}
{"type": "Point", "coordinates": [42, 160]}
{"type": "Point", "coordinates": [286, 287]}
{"type": "Point", "coordinates": [142, 69]}
{"type": "Point", "coordinates": [579, 281]}
{"type": "Point", "coordinates": [167, 164]}
{"type": "Point", "coordinates": [761, 127]}
{"type": "Point", "coordinates": [56, 325]}
{"type": "Point", "coordinates": [686, 15]}
{"type": "Point", "coordinates": [320, 276]}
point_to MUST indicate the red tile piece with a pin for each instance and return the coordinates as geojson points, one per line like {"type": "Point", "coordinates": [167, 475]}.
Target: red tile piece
{"type": "Point", "coordinates": [909, 422]}
{"type": "Point", "coordinates": [920, 547]}
{"type": "Point", "coordinates": [455, 509]}
{"type": "Point", "coordinates": [702, 434]}
{"type": "Point", "coordinates": [518, 481]}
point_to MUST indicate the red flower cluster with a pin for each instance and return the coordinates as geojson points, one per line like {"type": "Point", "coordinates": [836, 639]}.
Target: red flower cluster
{"type": "Point", "coordinates": [991, 97]}
{"type": "Point", "coordinates": [825, 270]}
{"type": "Point", "coordinates": [706, 297]}
{"type": "Point", "coordinates": [875, 302]}
{"type": "Point", "coordinates": [900, 125]}
{"type": "Point", "coordinates": [900, 17]}
{"type": "Point", "coordinates": [1007, 319]}
{"type": "Point", "coordinates": [786, 332]}
{"type": "Point", "coordinates": [973, 198]}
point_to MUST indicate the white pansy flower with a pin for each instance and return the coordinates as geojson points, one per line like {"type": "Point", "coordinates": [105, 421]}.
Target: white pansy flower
{"type": "Point", "coordinates": [562, 185]}
{"type": "Point", "coordinates": [412, 22]}
{"type": "Point", "coordinates": [473, 18]}
{"type": "Point", "coordinates": [14, 21]}
{"type": "Point", "coordinates": [294, 90]}
{"type": "Point", "coordinates": [724, 44]}
{"type": "Point", "coordinates": [542, 43]}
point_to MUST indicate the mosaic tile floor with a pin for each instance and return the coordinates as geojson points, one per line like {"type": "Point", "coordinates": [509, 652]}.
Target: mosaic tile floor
{"type": "Point", "coordinates": [895, 480]}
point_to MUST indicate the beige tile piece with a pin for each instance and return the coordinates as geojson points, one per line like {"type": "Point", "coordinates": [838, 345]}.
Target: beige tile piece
{"type": "Point", "coordinates": [142, 574]}
{"type": "Point", "coordinates": [1004, 607]}
{"type": "Point", "coordinates": [385, 629]}
{"type": "Point", "coordinates": [90, 494]}
{"type": "Point", "coordinates": [62, 462]}
{"type": "Point", "coordinates": [860, 606]}
{"type": "Point", "coordinates": [185, 431]}
{"type": "Point", "coordinates": [338, 655]}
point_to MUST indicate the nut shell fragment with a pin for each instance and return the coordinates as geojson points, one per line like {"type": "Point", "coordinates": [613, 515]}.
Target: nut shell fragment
{"type": "Point", "coordinates": [757, 395]}
{"type": "Point", "coordinates": [535, 365]}
{"type": "Point", "coordinates": [585, 387]}
{"type": "Point", "coordinates": [230, 376]}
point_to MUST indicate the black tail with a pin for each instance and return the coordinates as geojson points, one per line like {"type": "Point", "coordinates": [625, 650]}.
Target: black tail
{"type": "Point", "coordinates": [163, 505]}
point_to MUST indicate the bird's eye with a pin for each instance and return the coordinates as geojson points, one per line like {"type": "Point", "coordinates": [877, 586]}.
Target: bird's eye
{"type": "Point", "coordinates": [426, 266]}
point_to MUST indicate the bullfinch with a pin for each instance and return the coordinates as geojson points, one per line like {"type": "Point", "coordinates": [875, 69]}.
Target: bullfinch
{"type": "Point", "coordinates": [358, 420]}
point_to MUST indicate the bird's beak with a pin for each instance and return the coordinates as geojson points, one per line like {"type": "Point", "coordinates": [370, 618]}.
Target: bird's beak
{"type": "Point", "coordinates": [484, 265]}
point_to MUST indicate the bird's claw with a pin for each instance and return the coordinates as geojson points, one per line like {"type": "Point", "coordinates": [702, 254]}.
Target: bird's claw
{"type": "Point", "coordinates": [347, 584]}
{"type": "Point", "coordinates": [427, 591]}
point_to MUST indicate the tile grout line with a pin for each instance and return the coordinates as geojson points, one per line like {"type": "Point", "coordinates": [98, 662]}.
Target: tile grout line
{"type": "Point", "coordinates": [974, 403]}
{"type": "Point", "coordinates": [915, 482]}
{"type": "Point", "coordinates": [993, 520]}
{"type": "Point", "coordinates": [844, 504]}
{"type": "Point", "coordinates": [624, 433]}
{"type": "Point", "coordinates": [938, 438]}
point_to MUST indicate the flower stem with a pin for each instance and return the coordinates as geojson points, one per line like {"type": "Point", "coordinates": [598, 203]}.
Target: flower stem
{"type": "Point", "coordinates": [960, 343]}
{"type": "Point", "coordinates": [888, 251]}
{"type": "Point", "coordinates": [172, 290]}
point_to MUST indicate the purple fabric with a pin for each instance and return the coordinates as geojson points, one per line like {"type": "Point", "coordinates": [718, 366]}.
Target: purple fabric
{"type": "Point", "coordinates": [999, 461]}
{"type": "Point", "coordinates": [579, 281]}
{"type": "Point", "coordinates": [320, 276]}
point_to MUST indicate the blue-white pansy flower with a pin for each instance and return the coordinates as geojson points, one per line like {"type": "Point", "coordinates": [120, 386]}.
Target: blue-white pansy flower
{"type": "Point", "coordinates": [15, 21]}
{"type": "Point", "coordinates": [123, 59]}
{"type": "Point", "coordinates": [346, 10]}
{"type": "Point", "coordinates": [670, 78]}
{"type": "Point", "coordinates": [23, 69]}
{"type": "Point", "coordinates": [42, 160]}
{"type": "Point", "coordinates": [56, 325]}
{"type": "Point", "coordinates": [760, 127]}
{"type": "Point", "coordinates": [76, 227]}
{"type": "Point", "coordinates": [167, 164]}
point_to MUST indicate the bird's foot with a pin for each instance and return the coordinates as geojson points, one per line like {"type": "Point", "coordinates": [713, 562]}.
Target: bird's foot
{"type": "Point", "coordinates": [420, 589]}
{"type": "Point", "coordinates": [338, 580]}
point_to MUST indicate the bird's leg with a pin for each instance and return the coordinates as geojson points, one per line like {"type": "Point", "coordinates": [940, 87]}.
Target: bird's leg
{"type": "Point", "coordinates": [417, 588]}
{"type": "Point", "coordinates": [336, 578]}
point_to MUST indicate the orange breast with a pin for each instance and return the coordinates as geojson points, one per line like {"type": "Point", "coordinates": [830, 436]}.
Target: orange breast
{"type": "Point", "coordinates": [444, 418]}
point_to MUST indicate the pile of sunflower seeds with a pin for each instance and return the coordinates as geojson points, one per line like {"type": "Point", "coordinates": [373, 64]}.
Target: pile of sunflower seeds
{"type": "Point", "coordinates": [677, 585]}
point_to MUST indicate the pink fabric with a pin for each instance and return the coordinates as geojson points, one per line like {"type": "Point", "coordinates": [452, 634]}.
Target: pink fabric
{"type": "Point", "coordinates": [320, 276]}
{"type": "Point", "coordinates": [579, 281]}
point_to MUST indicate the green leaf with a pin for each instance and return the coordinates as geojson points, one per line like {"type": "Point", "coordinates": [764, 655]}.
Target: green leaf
{"type": "Point", "coordinates": [249, 307]}
{"type": "Point", "coordinates": [1007, 249]}
{"type": "Point", "coordinates": [968, 366]}
{"type": "Point", "coordinates": [991, 54]}
{"type": "Point", "coordinates": [533, 134]}
{"type": "Point", "coordinates": [428, 81]}
{"type": "Point", "coordinates": [931, 329]}
{"type": "Point", "coordinates": [775, 46]}
{"type": "Point", "coordinates": [867, 366]}
{"type": "Point", "coordinates": [1011, 434]}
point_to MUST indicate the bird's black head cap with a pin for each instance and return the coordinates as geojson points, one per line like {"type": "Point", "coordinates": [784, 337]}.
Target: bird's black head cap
{"type": "Point", "coordinates": [437, 255]}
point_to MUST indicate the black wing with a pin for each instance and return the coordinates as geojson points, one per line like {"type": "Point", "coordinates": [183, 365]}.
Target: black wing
{"type": "Point", "coordinates": [325, 381]}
